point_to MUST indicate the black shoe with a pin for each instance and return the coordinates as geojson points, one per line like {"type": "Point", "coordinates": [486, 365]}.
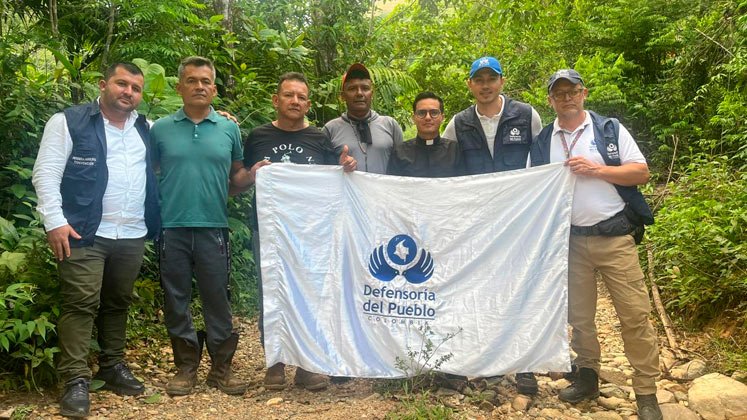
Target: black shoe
{"type": "Point", "coordinates": [75, 402]}
{"type": "Point", "coordinates": [648, 407]}
{"type": "Point", "coordinates": [526, 383]}
{"type": "Point", "coordinates": [339, 380]}
{"type": "Point", "coordinates": [584, 387]}
{"type": "Point", "coordinates": [120, 380]}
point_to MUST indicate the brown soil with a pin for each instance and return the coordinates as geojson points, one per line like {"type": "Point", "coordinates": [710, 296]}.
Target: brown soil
{"type": "Point", "coordinates": [358, 398]}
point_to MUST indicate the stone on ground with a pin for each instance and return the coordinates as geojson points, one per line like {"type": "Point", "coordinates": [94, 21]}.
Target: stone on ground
{"type": "Point", "coordinates": [689, 371]}
{"type": "Point", "coordinates": [716, 397]}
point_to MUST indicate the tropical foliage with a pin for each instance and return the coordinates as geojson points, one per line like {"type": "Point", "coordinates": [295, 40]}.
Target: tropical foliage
{"type": "Point", "coordinates": [674, 71]}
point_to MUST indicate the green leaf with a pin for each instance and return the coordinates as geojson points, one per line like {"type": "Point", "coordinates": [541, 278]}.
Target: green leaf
{"type": "Point", "coordinates": [97, 384]}
{"type": "Point", "coordinates": [65, 62]}
{"type": "Point", "coordinates": [12, 260]}
{"type": "Point", "coordinates": [42, 330]}
{"type": "Point", "coordinates": [18, 190]}
{"type": "Point", "coordinates": [153, 399]}
{"type": "Point", "coordinates": [30, 327]}
{"type": "Point", "coordinates": [4, 343]}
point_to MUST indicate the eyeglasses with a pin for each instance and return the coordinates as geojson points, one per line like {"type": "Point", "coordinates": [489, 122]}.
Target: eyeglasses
{"type": "Point", "coordinates": [434, 113]}
{"type": "Point", "coordinates": [565, 95]}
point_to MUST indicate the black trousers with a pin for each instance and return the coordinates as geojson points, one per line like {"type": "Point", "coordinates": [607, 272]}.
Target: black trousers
{"type": "Point", "coordinates": [202, 253]}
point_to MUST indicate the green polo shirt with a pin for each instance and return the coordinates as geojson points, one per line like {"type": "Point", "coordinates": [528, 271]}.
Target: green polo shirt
{"type": "Point", "coordinates": [195, 162]}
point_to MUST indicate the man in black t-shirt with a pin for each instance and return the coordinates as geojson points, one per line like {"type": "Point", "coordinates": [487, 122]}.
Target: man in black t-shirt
{"type": "Point", "coordinates": [289, 139]}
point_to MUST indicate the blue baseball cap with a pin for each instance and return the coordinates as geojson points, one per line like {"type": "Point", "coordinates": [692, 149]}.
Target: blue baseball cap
{"type": "Point", "coordinates": [486, 62]}
{"type": "Point", "coordinates": [567, 74]}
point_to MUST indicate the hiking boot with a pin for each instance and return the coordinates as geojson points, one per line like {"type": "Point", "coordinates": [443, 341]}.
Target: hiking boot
{"type": "Point", "coordinates": [339, 380]}
{"type": "Point", "coordinates": [310, 381]}
{"type": "Point", "coordinates": [187, 360]}
{"type": "Point", "coordinates": [573, 374]}
{"type": "Point", "coordinates": [450, 381]}
{"type": "Point", "coordinates": [584, 387]}
{"type": "Point", "coordinates": [120, 380]}
{"type": "Point", "coordinates": [648, 407]}
{"type": "Point", "coordinates": [526, 383]}
{"type": "Point", "coordinates": [221, 374]}
{"type": "Point", "coordinates": [75, 402]}
{"type": "Point", "coordinates": [275, 377]}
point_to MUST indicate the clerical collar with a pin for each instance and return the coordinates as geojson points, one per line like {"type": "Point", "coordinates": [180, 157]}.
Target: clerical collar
{"type": "Point", "coordinates": [430, 142]}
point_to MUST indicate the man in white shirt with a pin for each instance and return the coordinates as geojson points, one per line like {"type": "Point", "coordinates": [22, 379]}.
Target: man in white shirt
{"type": "Point", "coordinates": [607, 208]}
{"type": "Point", "coordinates": [98, 200]}
{"type": "Point", "coordinates": [494, 135]}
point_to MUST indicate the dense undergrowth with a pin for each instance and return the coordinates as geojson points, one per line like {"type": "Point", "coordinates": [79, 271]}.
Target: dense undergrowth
{"type": "Point", "coordinates": [676, 75]}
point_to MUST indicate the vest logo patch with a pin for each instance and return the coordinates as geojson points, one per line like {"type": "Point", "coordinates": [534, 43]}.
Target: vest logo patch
{"type": "Point", "coordinates": [514, 136]}
{"type": "Point", "coordinates": [612, 152]}
{"type": "Point", "coordinates": [84, 161]}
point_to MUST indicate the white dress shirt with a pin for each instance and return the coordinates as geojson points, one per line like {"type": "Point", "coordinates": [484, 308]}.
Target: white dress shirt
{"type": "Point", "coordinates": [490, 125]}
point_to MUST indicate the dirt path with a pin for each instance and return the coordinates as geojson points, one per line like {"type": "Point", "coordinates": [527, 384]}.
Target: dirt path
{"type": "Point", "coordinates": [494, 398]}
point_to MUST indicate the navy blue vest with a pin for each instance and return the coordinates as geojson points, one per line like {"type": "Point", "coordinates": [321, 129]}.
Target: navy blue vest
{"type": "Point", "coordinates": [86, 174]}
{"type": "Point", "coordinates": [606, 133]}
{"type": "Point", "coordinates": [512, 139]}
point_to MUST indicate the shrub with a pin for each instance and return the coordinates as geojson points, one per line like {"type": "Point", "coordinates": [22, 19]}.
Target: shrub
{"type": "Point", "coordinates": [699, 242]}
{"type": "Point", "coordinates": [25, 334]}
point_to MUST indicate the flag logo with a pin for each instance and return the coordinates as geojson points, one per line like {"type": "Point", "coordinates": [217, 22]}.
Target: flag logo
{"type": "Point", "coordinates": [401, 256]}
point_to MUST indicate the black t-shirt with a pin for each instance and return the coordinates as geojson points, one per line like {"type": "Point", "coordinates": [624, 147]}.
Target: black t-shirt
{"type": "Point", "coordinates": [309, 146]}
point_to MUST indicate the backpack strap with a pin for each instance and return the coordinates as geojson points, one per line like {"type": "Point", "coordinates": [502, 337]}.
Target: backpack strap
{"type": "Point", "coordinates": [606, 137]}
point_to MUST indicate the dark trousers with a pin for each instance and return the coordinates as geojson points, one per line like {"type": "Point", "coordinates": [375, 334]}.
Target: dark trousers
{"type": "Point", "coordinates": [96, 287]}
{"type": "Point", "coordinates": [204, 254]}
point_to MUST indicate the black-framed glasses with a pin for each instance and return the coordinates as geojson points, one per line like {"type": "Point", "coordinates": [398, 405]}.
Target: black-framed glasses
{"type": "Point", "coordinates": [564, 95]}
{"type": "Point", "coordinates": [434, 113]}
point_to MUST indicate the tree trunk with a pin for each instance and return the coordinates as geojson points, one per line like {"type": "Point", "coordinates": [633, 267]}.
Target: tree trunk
{"type": "Point", "coordinates": [225, 8]}
{"type": "Point", "coordinates": [53, 17]}
{"type": "Point", "coordinates": [665, 321]}
{"type": "Point", "coordinates": [109, 35]}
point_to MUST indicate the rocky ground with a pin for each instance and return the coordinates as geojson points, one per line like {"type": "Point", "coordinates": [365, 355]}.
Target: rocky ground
{"type": "Point", "coordinates": [686, 391]}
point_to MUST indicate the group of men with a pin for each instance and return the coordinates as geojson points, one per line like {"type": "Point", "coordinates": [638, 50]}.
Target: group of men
{"type": "Point", "coordinates": [103, 170]}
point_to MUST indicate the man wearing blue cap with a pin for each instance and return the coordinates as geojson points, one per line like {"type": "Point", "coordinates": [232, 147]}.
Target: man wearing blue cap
{"type": "Point", "coordinates": [607, 212]}
{"type": "Point", "coordinates": [494, 135]}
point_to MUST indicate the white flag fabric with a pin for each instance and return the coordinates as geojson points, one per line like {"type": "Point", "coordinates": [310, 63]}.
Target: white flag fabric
{"type": "Point", "coordinates": [369, 275]}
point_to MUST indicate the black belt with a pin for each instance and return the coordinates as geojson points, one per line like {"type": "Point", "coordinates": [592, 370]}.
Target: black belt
{"type": "Point", "coordinates": [585, 230]}
{"type": "Point", "coordinates": [617, 225]}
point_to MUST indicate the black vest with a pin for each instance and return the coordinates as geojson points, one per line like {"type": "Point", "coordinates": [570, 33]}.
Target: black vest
{"type": "Point", "coordinates": [86, 174]}
{"type": "Point", "coordinates": [512, 139]}
{"type": "Point", "coordinates": [606, 133]}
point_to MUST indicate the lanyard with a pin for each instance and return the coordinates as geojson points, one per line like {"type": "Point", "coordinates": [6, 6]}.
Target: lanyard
{"type": "Point", "coordinates": [567, 149]}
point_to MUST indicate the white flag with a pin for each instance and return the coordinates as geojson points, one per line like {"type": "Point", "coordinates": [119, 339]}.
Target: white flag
{"type": "Point", "coordinates": [368, 275]}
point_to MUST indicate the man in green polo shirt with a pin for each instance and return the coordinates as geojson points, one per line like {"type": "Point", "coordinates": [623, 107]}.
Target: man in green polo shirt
{"type": "Point", "coordinates": [198, 151]}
